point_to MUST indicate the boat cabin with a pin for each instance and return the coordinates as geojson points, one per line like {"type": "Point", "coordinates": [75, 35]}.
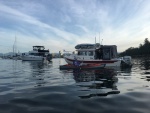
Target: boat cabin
{"type": "Point", "coordinates": [37, 51]}
{"type": "Point", "coordinates": [108, 52]}
{"type": "Point", "coordinates": [96, 51]}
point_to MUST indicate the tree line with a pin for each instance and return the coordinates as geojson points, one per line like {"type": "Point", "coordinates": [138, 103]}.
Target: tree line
{"type": "Point", "coordinates": [143, 49]}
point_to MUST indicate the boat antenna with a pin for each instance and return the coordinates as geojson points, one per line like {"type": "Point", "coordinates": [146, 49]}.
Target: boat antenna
{"type": "Point", "coordinates": [95, 39]}
{"type": "Point", "coordinates": [15, 43]}
{"type": "Point", "coordinates": [99, 37]}
{"type": "Point", "coordinates": [101, 41]}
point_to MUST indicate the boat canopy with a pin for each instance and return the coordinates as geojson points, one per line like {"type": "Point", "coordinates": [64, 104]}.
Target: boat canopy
{"type": "Point", "coordinates": [84, 46]}
{"type": "Point", "coordinates": [88, 46]}
{"type": "Point", "coordinates": [85, 50]}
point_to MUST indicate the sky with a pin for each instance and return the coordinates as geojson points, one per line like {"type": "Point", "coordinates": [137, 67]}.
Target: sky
{"type": "Point", "coordinates": [62, 24]}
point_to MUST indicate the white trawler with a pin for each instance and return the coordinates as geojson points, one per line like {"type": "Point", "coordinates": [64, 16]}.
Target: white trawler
{"type": "Point", "coordinates": [97, 54]}
{"type": "Point", "coordinates": [37, 54]}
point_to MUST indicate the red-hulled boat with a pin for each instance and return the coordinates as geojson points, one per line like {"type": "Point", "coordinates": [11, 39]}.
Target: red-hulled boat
{"type": "Point", "coordinates": [95, 54]}
{"type": "Point", "coordinates": [88, 66]}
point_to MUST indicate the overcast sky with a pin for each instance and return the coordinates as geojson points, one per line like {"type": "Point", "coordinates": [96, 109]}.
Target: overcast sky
{"type": "Point", "coordinates": [62, 24]}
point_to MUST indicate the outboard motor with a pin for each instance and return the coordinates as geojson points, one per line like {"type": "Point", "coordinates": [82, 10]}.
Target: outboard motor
{"type": "Point", "coordinates": [126, 62]}
{"type": "Point", "coordinates": [127, 59]}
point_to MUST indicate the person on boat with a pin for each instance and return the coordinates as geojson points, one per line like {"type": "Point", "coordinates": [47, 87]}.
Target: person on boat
{"type": "Point", "coordinates": [101, 53]}
{"type": "Point", "coordinates": [76, 62]}
{"type": "Point", "coordinates": [96, 54]}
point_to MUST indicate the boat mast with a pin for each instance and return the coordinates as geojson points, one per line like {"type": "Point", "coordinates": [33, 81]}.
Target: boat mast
{"type": "Point", "coordinates": [14, 46]}
{"type": "Point", "coordinates": [13, 50]}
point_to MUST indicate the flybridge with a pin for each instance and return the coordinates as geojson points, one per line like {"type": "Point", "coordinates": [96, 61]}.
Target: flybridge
{"type": "Point", "coordinates": [38, 47]}
{"type": "Point", "coordinates": [87, 46]}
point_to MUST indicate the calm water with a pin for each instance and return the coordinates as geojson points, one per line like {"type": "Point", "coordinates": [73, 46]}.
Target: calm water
{"type": "Point", "coordinates": [34, 87]}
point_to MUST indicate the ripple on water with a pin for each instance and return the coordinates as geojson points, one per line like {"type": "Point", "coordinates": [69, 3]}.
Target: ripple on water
{"type": "Point", "coordinates": [33, 87]}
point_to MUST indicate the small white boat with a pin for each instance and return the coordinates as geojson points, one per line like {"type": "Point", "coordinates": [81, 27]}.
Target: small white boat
{"type": "Point", "coordinates": [95, 54]}
{"type": "Point", "coordinates": [37, 54]}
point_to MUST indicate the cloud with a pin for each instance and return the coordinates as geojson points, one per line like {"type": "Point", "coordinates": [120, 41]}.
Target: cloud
{"type": "Point", "coordinates": [63, 24]}
{"type": "Point", "coordinates": [35, 22]}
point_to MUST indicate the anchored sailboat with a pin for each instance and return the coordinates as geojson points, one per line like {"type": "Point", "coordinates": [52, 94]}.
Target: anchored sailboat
{"type": "Point", "coordinates": [15, 56]}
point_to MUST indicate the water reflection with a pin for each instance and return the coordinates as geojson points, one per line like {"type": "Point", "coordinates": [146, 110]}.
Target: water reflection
{"type": "Point", "coordinates": [38, 72]}
{"type": "Point", "coordinates": [126, 70]}
{"type": "Point", "coordinates": [145, 63]}
{"type": "Point", "coordinates": [96, 82]}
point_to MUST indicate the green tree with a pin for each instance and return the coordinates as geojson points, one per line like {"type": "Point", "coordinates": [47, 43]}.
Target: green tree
{"type": "Point", "coordinates": [141, 50]}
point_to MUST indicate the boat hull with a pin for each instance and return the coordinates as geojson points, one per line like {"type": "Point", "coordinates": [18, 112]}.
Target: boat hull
{"type": "Point", "coordinates": [108, 63]}
{"type": "Point", "coordinates": [32, 58]}
{"type": "Point", "coordinates": [89, 66]}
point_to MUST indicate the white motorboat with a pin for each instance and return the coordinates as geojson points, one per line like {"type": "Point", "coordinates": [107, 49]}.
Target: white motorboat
{"type": "Point", "coordinates": [37, 54]}
{"type": "Point", "coordinates": [95, 53]}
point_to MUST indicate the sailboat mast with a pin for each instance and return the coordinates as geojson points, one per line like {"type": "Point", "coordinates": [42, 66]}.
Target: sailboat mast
{"type": "Point", "coordinates": [14, 47]}
{"type": "Point", "coordinates": [13, 50]}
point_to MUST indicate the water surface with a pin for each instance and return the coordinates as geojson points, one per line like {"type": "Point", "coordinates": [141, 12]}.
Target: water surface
{"type": "Point", "coordinates": [34, 87]}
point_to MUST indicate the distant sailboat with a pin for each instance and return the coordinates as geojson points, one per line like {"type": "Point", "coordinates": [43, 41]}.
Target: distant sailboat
{"type": "Point", "coordinates": [14, 50]}
{"type": "Point", "coordinates": [15, 55]}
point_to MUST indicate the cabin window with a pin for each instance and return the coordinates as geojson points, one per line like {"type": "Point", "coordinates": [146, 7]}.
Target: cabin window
{"type": "Point", "coordinates": [90, 53]}
{"type": "Point", "coordinates": [82, 53]}
{"type": "Point", "coordinates": [35, 54]}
